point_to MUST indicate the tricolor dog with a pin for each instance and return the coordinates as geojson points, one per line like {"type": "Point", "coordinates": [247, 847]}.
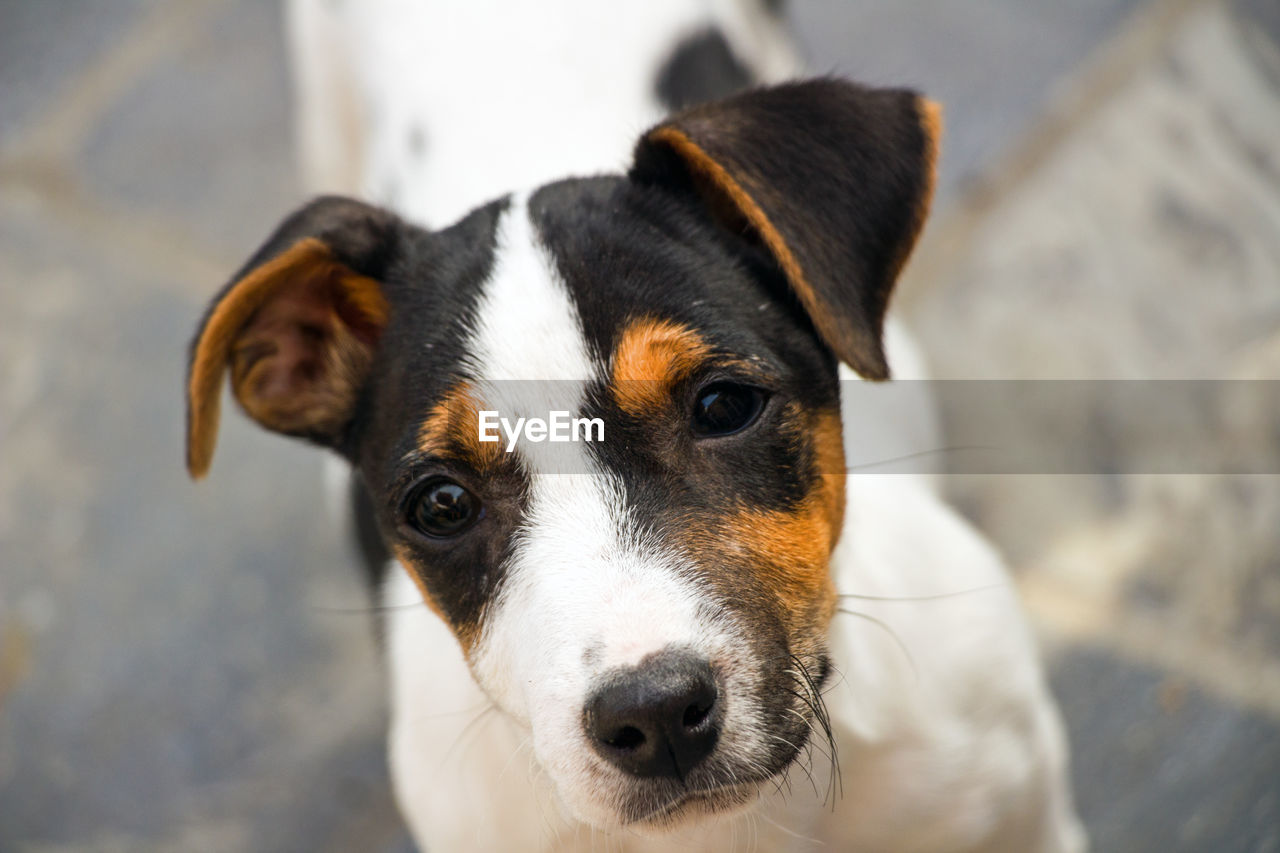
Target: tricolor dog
{"type": "Point", "coordinates": [688, 628]}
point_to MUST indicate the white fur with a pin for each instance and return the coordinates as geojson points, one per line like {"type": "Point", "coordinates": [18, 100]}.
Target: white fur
{"type": "Point", "coordinates": [947, 738]}
{"type": "Point", "coordinates": [575, 106]}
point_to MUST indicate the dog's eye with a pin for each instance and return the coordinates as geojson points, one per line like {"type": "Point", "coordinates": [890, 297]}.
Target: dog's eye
{"type": "Point", "coordinates": [440, 507]}
{"type": "Point", "coordinates": [723, 408]}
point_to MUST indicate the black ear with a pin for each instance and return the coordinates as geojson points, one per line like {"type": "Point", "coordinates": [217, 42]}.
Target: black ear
{"type": "Point", "coordinates": [297, 327]}
{"type": "Point", "coordinates": [835, 180]}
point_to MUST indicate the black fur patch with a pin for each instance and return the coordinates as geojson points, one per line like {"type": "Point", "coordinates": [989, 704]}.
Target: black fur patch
{"type": "Point", "coordinates": [433, 288]}
{"type": "Point", "coordinates": [842, 173]}
{"type": "Point", "coordinates": [703, 67]}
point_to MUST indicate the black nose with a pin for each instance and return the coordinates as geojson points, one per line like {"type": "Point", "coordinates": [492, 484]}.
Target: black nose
{"type": "Point", "coordinates": [660, 718]}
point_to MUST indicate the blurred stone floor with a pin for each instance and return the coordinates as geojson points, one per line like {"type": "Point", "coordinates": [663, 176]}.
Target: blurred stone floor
{"type": "Point", "coordinates": [189, 668]}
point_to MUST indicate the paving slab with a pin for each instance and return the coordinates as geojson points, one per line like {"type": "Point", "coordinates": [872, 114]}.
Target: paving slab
{"type": "Point", "coordinates": [43, 46]}
{"type": "Point", "coordinates": [1162, 767]}
{"type": "Point", "coordinates": [160, 644]}
{"type": "Point", "coordinates": [203, 139]}
{"type": "Point", "coordinates": [1144, 246]}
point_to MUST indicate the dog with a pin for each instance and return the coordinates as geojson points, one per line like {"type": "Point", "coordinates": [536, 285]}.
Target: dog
{"type": "Point", "coordinates": [689, 628]}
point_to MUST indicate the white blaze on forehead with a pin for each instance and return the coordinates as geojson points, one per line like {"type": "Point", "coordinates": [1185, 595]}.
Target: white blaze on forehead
{"type": "Point", "coordinates": [526, 327]}
{"type": "Point", "coordinates": [528, 352]}
{"type": "Point", "coordinates": [578, 574]}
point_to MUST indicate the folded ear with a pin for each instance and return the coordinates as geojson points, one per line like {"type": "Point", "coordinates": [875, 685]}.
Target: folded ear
{"type": "Point", "coordinates": [834, 179]}
{"type": "Point", "coordinates": [297, 327]}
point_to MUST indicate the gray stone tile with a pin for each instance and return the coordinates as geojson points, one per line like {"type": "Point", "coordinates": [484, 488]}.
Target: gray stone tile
{"type": "Point", "coordinates": [43, 46]}
{"type": "Point", "coordinates": [1213, 570]}
{"type": "Point", "coordinates": [1262, 16]}
{"type": "Point", "coordinates": [183, 645]}
{"type": "Point", "coordinates": [204, 139]}
{"type": "Point", "coordinates": [1160, 767]}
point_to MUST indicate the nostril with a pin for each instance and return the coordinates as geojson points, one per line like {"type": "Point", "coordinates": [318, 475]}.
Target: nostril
{"type": "Point", "coordinates": [695, 714]}
{"type": "Point", "coordinates": [628, 737]}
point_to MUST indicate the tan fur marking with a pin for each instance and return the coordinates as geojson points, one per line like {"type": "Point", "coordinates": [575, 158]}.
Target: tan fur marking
{"type": "Point", "coordinates": [650, 358]}
{"type": "Point", "coordinates": [358, 311]}
{"type": "Point", "coordinates": [452, 429]}
{"type": "Point", "coordinates": [789, 552]}
{"type": "Point", "coordinates": [793, 549]}
{"type": "Point", "coordinates": [828, 450]}
{"type": "Point", "coordinates": [214, 349]}
{"type": "Point", "coordinates": [930, 113]}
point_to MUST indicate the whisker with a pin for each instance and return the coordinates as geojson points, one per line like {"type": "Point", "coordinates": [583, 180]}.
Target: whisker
{"type": "Point", "coordinates": [786, 831]}
{"type": "Point", "coordinates": [938, 596]}
{"type": "Point", "coordinates": [372, 608]}
{"type": "Point", "coordinates": [893, 634]}
{"type": "Point", "coordinates": [474, 709]}
{"type": "Point", "coordinates": [813, 698]}
{"type": "Point", "coordinates": [783, 778]}
{"type": "Point", "coordinates": [534, 771]}
{"type": "Point", "coordinates": [918, 454]}
{"type": "Point", "coordinates": [834, 680]}
{"type": "Point", "coordinates": [469, 727]}
{"type": "Point", "coordinates": [806, 770]}
{"type": "Point", "coordinates": [806, 699]}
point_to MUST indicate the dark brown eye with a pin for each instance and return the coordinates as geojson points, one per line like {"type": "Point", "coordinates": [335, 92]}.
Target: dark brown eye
{"type": "Point", "coordinates": [723, 408]}
{"type": "Point", "coordinates": [440, 507]}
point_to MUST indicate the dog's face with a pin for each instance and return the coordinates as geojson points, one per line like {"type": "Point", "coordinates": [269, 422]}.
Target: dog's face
{"type": "Point", "coordinates": [652, 604]}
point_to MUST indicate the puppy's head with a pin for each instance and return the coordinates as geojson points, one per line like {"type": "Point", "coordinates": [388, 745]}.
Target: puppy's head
{"type": "Point", "coordinates": [652, 604]}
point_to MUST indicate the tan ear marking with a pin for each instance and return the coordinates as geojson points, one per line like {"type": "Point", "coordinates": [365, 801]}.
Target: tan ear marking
{"type": "Point", "coordinates": [931, 122]}
{"type": "Point", "coordinates": [834, 180]}
{"type": "Point", "coordinates": [930, 114]}
{"type": "Point", "coordinates": [210, 355]}
{"type": "Point", "coordinates": [357, 302]}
